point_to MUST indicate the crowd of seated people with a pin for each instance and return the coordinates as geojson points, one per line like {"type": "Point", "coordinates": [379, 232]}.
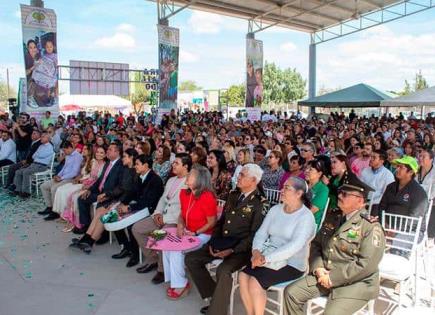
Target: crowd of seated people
{"type": "Point", "coordinates": [327, 174]}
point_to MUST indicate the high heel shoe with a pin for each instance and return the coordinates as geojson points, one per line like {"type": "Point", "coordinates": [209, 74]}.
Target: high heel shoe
{"type": "Point", "coordinates": [173, 295]}
{"type": "Point", "coordinates": [68, 228]}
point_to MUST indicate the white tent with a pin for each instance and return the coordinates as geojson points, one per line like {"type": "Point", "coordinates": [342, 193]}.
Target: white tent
{"type": "Point", "coordinates": [111, 103]}
{"type": "Point", "coordinates": [424, 97]}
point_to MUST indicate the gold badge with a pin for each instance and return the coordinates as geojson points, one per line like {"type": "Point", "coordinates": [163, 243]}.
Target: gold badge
{"type": "Point", "coordinates": [246, 210]}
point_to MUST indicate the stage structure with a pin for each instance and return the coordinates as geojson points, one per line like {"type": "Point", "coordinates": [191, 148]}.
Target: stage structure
{"type": "Point", "coordinates": [323, 20]}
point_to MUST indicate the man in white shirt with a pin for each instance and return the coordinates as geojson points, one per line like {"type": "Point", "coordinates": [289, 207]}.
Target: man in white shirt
{"type": "Point", "coordinates": [378, 177]}
{"type": "Point", "coordinates": [8, 150]}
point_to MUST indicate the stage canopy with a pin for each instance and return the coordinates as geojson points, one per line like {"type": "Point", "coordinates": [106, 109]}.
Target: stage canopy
{"type": "Point", "coordinates": [424, 97]}
{"type": "Point", "coordinates": [75, 103]}
{"type": "Point", "coordinates": [360, 95]}
{"type": "Point", "coordinates": [307, 16]}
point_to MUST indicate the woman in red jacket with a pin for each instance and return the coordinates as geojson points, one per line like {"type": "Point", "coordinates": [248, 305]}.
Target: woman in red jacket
{"type": "Point", "coordinates": [197, 217]}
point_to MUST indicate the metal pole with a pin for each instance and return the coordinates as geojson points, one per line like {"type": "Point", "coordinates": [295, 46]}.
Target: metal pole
{"type": "Point", "coordinates": [7, 79]}
{"type": "Point", "coordinates": [312, 74]}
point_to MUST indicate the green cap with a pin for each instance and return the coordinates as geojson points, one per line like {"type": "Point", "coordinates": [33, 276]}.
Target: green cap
{"type": "Point", "coordinates": [408, 160]}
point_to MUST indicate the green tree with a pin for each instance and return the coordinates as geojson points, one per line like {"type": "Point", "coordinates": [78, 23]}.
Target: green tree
{"type": "Point", "coordinates": [4, 92]}
{"type": "Point", "coordinates": [420, 83]}
{"type": "Point", "coordinates": [139, 97]}
{"type": "Point", "coordinates": [235, 95]}
{"type": "Point", "coordinates": [188, 86]}
{"type": "Point", "coordinates": [282, 86]}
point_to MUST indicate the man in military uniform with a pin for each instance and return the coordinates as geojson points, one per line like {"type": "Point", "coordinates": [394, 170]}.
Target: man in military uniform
{"type": "Point", "coordinates": [231, 241]}
{"type": "Point", "coordinates": [344, 257]}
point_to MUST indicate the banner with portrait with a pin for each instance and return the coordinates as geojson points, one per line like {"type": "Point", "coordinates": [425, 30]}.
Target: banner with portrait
{"type": "Point", "coordinates": [254, 73]}
{"type": "Point", "coordinates": [169, 42]}
{"type": "Point", "coordinates": [40, 58]}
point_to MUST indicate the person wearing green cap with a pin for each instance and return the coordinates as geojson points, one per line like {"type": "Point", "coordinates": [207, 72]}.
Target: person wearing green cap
{"type": "Point", "coordinates": [405, 196]}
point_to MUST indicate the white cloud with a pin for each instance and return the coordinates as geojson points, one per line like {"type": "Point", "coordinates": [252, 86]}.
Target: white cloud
{"type": "Point", "coordinates": [188, 57]}
{"type": "Point", "coordinates": [205, 23]}
{"type": "Point", "coordinates": [122, 39]}
{"type": "Point", "coordinates": [17, 14]}
{"type": "Point", "coordinates": [378, 57]}
{"type": "Point", "coordinates": [288, 47]}
{"type": "Point", "coordinates": [118, 41]}
{"type": "Point", "coordinates": [126, 28]}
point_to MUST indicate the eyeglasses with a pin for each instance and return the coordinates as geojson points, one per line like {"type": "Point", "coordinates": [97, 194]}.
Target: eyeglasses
{"type": "Point", "coordinates": [306, 150]}
{"type": "Point", "coordinates": [345, 194]}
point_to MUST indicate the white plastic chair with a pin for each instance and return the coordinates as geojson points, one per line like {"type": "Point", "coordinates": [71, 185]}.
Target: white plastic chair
{"type": "Point", "coordinates": [401, 234]}
{"type": "Point", "coordinates": [319, 303]}
{"type": "Point", "coordinates": [4, 172]}
{"type": "Point", "coordinates": [272, 196]}
{"type": "Point", "coordinates": [221, 204]}
{"type": "Point", "coordinates": [277, 305]}
{"type": "Point", "coordinates": [212, 267]}
{"type": "Point", "coordinates": [324, 213]}
{"type": "Point", "coordinates": [40, 177]}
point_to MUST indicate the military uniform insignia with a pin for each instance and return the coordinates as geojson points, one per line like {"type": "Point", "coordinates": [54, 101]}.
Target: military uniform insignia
{"type": "Point", "coordinates": [247, 210]}
{"type": "Point", "coordinates": [352, 234]}
{"type": "Point", "coordinates": [377, 237]}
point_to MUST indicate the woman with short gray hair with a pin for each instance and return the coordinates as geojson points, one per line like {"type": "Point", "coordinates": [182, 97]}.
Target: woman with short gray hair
{"type": "Point", "coordinates": [197, 218]}
{"type": "Point", "coordinates": [280, 247]}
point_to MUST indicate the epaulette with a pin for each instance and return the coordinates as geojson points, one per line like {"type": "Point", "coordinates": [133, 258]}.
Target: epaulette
{"type": "Point", "coordinates": [369, 218]}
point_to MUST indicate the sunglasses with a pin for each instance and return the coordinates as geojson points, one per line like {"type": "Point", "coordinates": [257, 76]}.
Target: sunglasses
{"type": "Point", "coordinates": [345, 194]}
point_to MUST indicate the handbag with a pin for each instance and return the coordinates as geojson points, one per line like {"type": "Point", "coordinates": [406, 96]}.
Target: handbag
{"type": "Point", "coordinates": [219, 244]}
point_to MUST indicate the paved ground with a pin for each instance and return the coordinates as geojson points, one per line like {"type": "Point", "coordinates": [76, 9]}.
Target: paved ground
{"type": "Point", "coordinates": [40, 275]}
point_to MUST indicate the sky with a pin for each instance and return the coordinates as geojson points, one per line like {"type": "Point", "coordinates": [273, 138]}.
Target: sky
{"type": "Point", "coordinates": [212, 47]}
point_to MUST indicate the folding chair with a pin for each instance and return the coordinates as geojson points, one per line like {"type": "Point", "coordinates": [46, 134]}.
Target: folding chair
{"type": "Point", "coordinates": [212, 268]}
{"type": "Point", "coordinates": [324, 213]}
{"type": "Point", "coordinates": [38, 178]}
{"type": "Point", "coordinates": [399, 261]}
{"type": "Point", "coordinates": [272, 196]}
{"type": "Point", "coordinates": [4, 172]}
{"type": "Point", "coordinates": [277, 305]}
{"type": "Point", "coordinates": [319, 303]}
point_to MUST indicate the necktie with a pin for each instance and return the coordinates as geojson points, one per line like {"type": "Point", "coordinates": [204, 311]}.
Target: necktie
{"type": "Point", "coordinates": [109, 167]}
{"type": "Point", "coordinates": [241, 198]}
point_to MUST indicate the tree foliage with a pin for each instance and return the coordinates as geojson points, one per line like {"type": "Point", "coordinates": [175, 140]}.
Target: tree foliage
{"type": "Point", "coordinates": [282, 86]}
{"type": "Point", "coordinates": [234, 96]}
{"type": "Point", "coordinates": [420, 83]}
{"type": "Point", "coordinates": [188, 86]}
{"type": "Point", "coordinates": [4, 92]}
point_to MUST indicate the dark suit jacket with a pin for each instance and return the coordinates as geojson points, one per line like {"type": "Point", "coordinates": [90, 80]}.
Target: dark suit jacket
{"type": "Point", "coordinates": [112, 186]}
{"type": "Point", "coordinates": [146, 194]}
{"type": "Point", "coordinates": [33, 148]}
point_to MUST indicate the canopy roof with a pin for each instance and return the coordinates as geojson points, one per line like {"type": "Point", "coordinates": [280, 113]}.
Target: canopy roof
{"type": "Point", "coordinates": [424, 97]}
{"type": "Point", "coordinates": [360, 95]}
{"type": "Point", "coordinates": [91, 101]}
{"type": "Point", "coordinates": [307, 15]}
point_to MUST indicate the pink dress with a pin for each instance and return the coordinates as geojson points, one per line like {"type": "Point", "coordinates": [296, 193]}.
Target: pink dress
{"type": "Point", "coordinates": [71, 212]}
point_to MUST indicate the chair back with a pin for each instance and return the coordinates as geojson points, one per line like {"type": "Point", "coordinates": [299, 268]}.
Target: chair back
{"type": "Point", "coordinates": [428, 189]}
{"type": "Point", "coordinates": [52, 162]}
{"type": "Point", "coordinates": [220, 207]}
{"type": "Point", "coordinates": [324, 213]}
{"type": "Point", "coordinates": [272, 196]}
{"type": "Point", "coordinates": [401, 232]}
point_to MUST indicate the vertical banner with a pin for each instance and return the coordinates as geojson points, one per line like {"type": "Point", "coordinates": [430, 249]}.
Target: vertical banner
{"type": "Point", "coordinates": [40, 58]}
{"type": "Point", "coordinates": [254, 78]}
{"type": "Point", "coordinates": [22, 95]}
{"type": "Point", "coordinates": [169, 41]}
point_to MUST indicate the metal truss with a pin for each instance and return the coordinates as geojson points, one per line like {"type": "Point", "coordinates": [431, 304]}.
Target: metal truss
{"type": "Point", "coordinates": [374, 18]}
{"type": "Point", "coordinates": [95, 74]}
{"type": "Point", "coordinates": [167, 9]}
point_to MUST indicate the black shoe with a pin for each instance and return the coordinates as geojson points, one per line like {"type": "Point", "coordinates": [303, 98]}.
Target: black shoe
{"type": "Point", "coordinates": [158, 278]}
{"type": "Point", "coordinates": [78, 231]}
{"type": "Point", "coordinates": [24, 195]}
{"type": "Point", "coordinates": [147, 268]}
{"type": "Point", "coordinates": [75, 240]}
{"type": "Point", "coordinates": [13, 193]}
{"type": "Point", "coordinates": [47, 210]}
{"type": "Point", "coordinates": [133, 261]}
{"type": "Point", "coordinates": [122, 254]}
{"type": "Point", "coordinates": [103, 239]}
{"type": "Point", "coordinates": [204, 310]}
{"type": "Point", "coordinates": [52, 216]}
{"type": "Point", "coordinates": [85, 247]}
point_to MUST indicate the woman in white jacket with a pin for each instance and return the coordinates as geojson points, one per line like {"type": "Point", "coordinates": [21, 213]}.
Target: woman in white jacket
{"type": "Point", "coordinates": [280, 247]}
